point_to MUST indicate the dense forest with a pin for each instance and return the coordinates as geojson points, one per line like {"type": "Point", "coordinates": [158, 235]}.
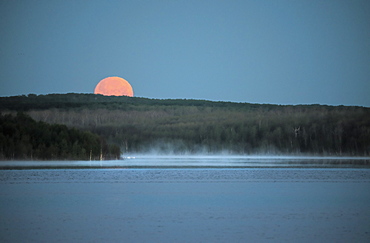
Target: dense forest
{"type": "Point", "coordinates": [21, 137]}
{"type": "Point", "coordinates": [199, 126]}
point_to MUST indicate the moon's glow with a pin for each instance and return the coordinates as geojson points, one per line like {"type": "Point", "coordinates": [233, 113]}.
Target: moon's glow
{"type": "Point", "coordinates": [114, 86]}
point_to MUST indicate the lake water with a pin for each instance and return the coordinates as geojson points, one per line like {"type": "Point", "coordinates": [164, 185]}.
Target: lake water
{"type": "Point", "coordinates": [186, 199]}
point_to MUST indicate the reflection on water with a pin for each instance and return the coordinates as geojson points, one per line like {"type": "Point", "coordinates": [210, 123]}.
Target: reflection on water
{"type": "Point", "coordinates": [146, 161]}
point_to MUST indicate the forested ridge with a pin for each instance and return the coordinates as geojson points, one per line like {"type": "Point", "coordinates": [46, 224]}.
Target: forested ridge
{"type": "Point", "coordinates": [21, 137]}
{"type": "Point", "coordinates": [199, 126]}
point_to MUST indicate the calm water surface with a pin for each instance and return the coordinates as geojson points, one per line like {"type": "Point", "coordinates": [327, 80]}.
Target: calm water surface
{"type": "Point", "coordinates": [185, 200]}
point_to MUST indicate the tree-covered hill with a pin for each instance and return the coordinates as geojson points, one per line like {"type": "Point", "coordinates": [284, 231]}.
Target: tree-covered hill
{"type": "Point", "coordinates": [93, 101]}
{"type": "Point", "coordinates": [141, 124]}
{"type": "Point", "coordinates": [21, 137]}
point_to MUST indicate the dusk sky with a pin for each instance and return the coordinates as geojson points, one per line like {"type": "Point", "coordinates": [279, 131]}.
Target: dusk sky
{"type": "Point", "coordinates": [278, 51]}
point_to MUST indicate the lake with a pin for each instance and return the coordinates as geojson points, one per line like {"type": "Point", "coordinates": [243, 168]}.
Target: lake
{"type": "Point", "coordinates": [186, 199]}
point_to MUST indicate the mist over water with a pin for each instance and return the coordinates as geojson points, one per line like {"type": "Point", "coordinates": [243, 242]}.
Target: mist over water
{"type": "Point", "coordinates": [243, 161]}
{"type": "Point", "coordinates": [153, 160]}
{"type": "Point", "coordinates": [178, 154]}
{"type": "Point", "coordinates": [182, 147]}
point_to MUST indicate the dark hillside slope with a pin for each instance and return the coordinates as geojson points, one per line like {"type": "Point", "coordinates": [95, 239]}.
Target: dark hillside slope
{"type": "Point", "coordinates": [141, 124]}
{"type": "Point", "coordinates": [21, 137]}
{"type": "Point", "coordinates": [92, 101]}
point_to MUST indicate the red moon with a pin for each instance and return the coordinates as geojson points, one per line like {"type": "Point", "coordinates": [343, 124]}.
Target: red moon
{"type": "Point", "coordinates": [114, 86]}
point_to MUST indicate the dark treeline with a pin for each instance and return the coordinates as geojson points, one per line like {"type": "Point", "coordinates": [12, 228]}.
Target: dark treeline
{"type": "Point", "coordinates": [92, 101]}
{"type": "Point", "coordinates": [140, 124]}
{"type": "Point", "coordinates": [21, 137]}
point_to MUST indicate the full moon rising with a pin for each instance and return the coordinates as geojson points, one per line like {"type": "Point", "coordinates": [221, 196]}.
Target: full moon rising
{"type": "Point", "coordinates": [115, 86]}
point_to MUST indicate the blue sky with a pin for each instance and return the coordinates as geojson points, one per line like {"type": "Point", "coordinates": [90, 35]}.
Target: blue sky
{"type": "Point", "coordinates": [263, 51]}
